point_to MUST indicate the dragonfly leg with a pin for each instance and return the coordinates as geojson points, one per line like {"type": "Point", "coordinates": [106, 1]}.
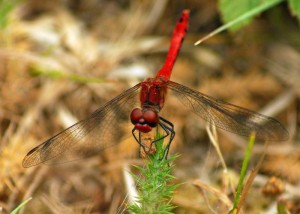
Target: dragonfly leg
{"type": "Point", "coordinates": [168, 127]}
{"type": "Point", "coordinates": [138, 139]}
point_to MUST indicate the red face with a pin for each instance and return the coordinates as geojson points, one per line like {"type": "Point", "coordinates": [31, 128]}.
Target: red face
{"type": "Point", "coordinates": [144, 119]}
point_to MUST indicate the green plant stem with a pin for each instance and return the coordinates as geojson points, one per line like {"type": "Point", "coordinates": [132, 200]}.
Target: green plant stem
{"type": "Point", "coordinates": [243, 171]}
{"type": "Point", "coordinates": [154, 188]}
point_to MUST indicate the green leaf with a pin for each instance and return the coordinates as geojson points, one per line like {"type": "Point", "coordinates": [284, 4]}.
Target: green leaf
{"type": "Point", "coordinates": [6, 6]}
{"type": "Point", "coordinates": [281, 208]}
{"type": "Point", "coordinates": [15, 211]}
{"type": "Point", "coordinates": [57, 74]}
{"type": "Point", "coordinates": [237, 13]}
{"type": "Point", "coordinates": [295, 7]}
{"type": "Point", "coordinates": [243, 11]}
{"type": "Point", "coordinates": [230, 10]}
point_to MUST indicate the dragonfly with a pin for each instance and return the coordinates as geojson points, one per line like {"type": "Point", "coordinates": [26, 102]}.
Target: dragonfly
{"type": "Point", "coordinates": [140, 107]}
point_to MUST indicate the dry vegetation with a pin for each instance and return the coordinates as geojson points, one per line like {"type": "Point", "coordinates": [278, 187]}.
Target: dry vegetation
{"type": "Point", "coordinates": [61, 60]}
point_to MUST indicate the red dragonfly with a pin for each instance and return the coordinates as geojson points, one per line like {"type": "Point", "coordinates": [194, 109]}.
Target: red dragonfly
{"type": "Point", "coordinates": [141, 106]}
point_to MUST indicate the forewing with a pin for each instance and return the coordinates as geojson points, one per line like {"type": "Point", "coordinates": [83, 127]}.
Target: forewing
{"type": "Point", "coordinates": [102, 129]}
{"type": "Point", "coordinates": [229, 117]}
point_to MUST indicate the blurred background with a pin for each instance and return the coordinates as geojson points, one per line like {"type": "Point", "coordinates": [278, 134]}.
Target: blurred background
{"type": "Point", "coordinates": [61, 59]}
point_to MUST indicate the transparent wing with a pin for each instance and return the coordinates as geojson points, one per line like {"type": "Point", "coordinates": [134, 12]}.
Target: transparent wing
{"type": "Point", "coordinates": [229, 117]}
{"type": "Point", "coordinates": [102, 129]}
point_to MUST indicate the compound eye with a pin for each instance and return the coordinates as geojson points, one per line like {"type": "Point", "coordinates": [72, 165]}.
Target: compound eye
{"type": "Point", "coordinates": [151, 118]}
{"type": "Point", "coordinates": [136, 115]}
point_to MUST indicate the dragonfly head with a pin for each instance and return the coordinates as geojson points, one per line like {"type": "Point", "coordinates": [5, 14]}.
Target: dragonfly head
{"type": "Point", "coordinates": [144, 119]}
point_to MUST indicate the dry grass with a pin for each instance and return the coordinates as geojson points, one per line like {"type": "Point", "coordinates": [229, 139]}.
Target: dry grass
{"type": "Point", "coordinates": [60, 60]}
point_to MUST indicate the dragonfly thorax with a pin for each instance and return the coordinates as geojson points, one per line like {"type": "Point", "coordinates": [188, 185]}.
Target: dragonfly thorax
{"type": "Point", "coordinates": [144, 119]}
{"type": "Point", "coordinates": [153, 92]}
